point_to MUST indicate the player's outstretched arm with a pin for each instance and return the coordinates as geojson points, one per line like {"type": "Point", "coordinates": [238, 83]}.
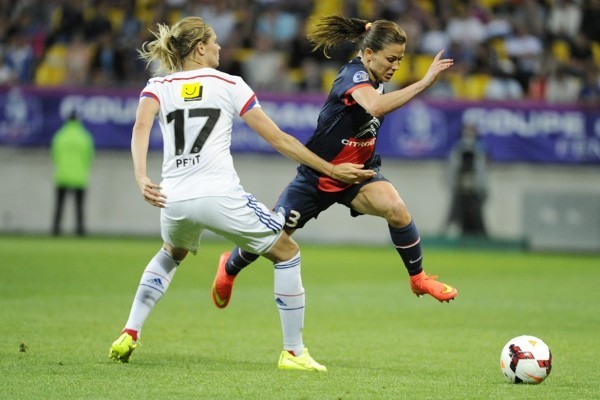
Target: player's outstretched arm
{"type": "Point", "coordinates": [379, 105]}
{"type": "Point", "coordinates": [290, 147]}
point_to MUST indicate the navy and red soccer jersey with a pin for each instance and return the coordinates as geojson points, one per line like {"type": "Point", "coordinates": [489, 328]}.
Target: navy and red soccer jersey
{"type": "Point", "coordinates": [345, 131]}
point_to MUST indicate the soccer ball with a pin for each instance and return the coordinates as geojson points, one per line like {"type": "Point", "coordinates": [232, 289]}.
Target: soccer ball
{"type": "Point", "coordinates": [526, 359]}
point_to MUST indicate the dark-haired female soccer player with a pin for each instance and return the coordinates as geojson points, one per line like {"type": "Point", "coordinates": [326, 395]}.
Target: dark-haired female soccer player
{"type": "Point", "coordinates": [347, 131]}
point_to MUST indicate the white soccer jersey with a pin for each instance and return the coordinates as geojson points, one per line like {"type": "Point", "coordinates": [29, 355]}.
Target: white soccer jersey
{"type": "Point", "coordinates": [196, 117]}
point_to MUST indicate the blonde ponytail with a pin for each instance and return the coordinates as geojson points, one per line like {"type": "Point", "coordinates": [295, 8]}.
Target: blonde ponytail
{"type": "Point", "coordinates": [173, 44]}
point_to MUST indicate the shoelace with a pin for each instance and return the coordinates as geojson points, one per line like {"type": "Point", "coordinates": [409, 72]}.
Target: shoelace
{"type": "Point", "coordinates": [428, 277]}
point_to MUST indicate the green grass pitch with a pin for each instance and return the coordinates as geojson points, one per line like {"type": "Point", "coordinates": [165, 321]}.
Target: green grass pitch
{"type": "Point", "coordinates": [63, 301]}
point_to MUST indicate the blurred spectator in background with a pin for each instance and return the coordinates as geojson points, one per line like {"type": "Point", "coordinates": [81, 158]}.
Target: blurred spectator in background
{"type": "Point", "coordinates": [18, 56]}
{"type": "Point", "coordinates": [498, 24]}
{"type": "Point", "coordinates": [131, 26]}
{"type": "Point", "coordinates": [310, 80]}
{"type": "Point", "coordinates": [502, 86]}
{"type": "Point", "coordinates": [526, 51]}
{"type": "Point", "coordinates": [562, 86]}
{"type": "Point", "coordinates": [98, 24]}
{"type": "Point", "coordinates": [532, 13]}
{"type": "Point", "coordinates": [443, 89]}
{"type": "Point", "coordinates": [265, 68]}
{"type": "Point", "coordinates": [78, 56]}
{"type": "Point", "coordinates": [434, 37]}
{"type": "Point", "coordinates": [221, 15]}
{"type": "Point", "coordinates": [581, 56]}
{"type": "Point", "coordinates": [228, 62]}
{"type": "Point", "coordinates": [306, 68]}
{"type": "Point", "coordinates": [6, 73]}
{"type": "Point", "coordinates": [108, 62]}
{"type": "Point", "coordinates": [468, 184]}
{"type": "Point", "coordinates": [518, 37]}
{"type": "Point", "coordinates": [564, 18]}
{"type": "Point", "coordinates": [466, 28]}
{"type": "Point", "coordinates": [589, 22]}
{"type": "Point", "coordinates": [412, 21]}
{"type": "Point", "coordinates": [72, 151]}
{"type": "Point", "coordinates": [132, 30]}
{"type": "Point", "coordinates": [66, 19]}
{"type": "Point", "coordinates": [590, 92]}
{"type": "Point", "coordinates": [277, 23]}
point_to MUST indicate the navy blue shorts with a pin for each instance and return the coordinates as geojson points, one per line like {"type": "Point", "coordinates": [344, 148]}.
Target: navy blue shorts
{"type": "Point", "coordinates": [301, 200]}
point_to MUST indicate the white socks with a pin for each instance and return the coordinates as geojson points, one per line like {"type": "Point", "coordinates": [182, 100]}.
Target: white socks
{"type": "Point", "coordinates": [290, 299]}
{"type": "Point", "coordinates": [289, 296]}
{"type": "Point", "coordinates": [153, 285]}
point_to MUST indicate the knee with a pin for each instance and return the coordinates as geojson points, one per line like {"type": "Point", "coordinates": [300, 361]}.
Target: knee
{"type": "Point", "coordinates": [397, 214]}
{"type": "Point", "coordinates": [291, 248]}
{"type": "Point", "coordinates": [178, 254]}
{"type": "Point", "coordinates": [284, 249]}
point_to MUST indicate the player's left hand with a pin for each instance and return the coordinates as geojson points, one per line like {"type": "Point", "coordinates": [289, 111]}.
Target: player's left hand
{"type": "Point", "coordinates": [351, 173]}
{"type": "Point", "coordinates": [438, 65]}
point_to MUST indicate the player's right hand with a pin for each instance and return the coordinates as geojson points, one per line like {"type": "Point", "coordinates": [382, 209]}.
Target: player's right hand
{"type": "Point", "coordinates": [152, 192]}
{"type": "Point", "coordinates": [351, 173]}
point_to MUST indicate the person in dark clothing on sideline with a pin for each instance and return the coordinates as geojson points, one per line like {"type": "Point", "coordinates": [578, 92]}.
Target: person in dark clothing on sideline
{"type": "Point", "coordinates": [468, 180]}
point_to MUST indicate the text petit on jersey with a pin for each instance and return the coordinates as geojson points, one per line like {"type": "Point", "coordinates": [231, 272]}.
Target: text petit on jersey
{"type": "Point", "coordinates": [187, 162]}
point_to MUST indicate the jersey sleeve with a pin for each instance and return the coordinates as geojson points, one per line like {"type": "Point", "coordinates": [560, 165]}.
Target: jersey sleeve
{"type": "Point", "coordinates": [243, 97]}
{"type": "Point", "coordinates": [352, 77]}
{"type": "Point", "coordinates": [150, 91]}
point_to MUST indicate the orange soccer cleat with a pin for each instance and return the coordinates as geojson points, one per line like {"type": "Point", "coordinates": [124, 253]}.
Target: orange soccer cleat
{"type": "Point", "coordinates": [426, 284]}
{"type": "Point", "coordinates": [223, 283]}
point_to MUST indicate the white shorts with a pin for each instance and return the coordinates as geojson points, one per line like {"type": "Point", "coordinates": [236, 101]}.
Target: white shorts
{"type": "Point", "coordinates": [242, 220]}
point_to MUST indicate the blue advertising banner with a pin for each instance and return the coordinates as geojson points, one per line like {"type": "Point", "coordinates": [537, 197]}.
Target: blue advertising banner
{"type": "Point", "coordinates": [422, 129]}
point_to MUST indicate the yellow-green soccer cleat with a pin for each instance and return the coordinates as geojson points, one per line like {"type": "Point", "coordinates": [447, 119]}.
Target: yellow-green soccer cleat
{"type": "Point", "coordinates": [122, 348]}
{"type": "Point", "coordinates": [305, 362]}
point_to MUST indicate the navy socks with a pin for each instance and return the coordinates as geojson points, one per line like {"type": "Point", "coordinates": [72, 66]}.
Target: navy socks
{"type": "Point", "coordinates": [408, 245]}
{"type": "Point", "coordinates": [239, 260]}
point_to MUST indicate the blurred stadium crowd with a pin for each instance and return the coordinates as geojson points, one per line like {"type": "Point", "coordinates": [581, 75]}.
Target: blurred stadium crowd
{"type": "Point", "coordinates": [545, 50]}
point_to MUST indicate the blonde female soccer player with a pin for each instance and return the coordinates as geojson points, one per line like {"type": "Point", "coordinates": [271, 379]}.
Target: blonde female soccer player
{"type": "Point", "coordinates": [200, 188]}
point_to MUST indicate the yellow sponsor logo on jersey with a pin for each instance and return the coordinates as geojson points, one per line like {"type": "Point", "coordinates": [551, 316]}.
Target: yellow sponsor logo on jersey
{"type": "Point", "coordinates": [191, 91]}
